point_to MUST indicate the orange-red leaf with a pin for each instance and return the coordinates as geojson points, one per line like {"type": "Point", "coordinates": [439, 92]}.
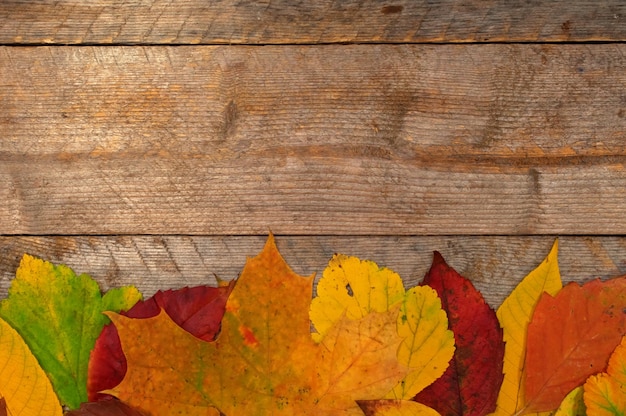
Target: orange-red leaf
{"type": "Point", "coordinates": [471, 383]}
{"type": "Point", "coordinates": [198, 310]}
{"type": "Point", "coordinates": [570, 337]}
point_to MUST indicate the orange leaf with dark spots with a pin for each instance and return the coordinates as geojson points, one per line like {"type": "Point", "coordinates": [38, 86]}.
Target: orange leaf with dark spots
{"type": "Point", "coordinates": [471, 383]}
{"type": "Point", "coordinates": [570, 337]}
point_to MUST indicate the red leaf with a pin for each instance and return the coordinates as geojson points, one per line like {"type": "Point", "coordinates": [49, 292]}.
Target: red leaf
{"type": "Point", "coordinates": [471, 383]}
{"type": "Point", "coordinates": [3, 407]}
{"type": "Point", "coordinates": [105, 408]}
{"type": "Point", "coordinates": [198, 310]}
{"type": "Point", "coordinates": [570, 337]}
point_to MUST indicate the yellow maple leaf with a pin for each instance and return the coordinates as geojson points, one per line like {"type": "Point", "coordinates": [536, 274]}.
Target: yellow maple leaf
{"type": "Point", "coordinates": [264, 360]}
{"type": "Point", "coordinates": [24, 387]}
{"type": "Point", "coordinates": [354, 288]}
{"type": "Point", "coordinates": [605, 393]}
{"type": "Point", "coordinates": [514, 315]}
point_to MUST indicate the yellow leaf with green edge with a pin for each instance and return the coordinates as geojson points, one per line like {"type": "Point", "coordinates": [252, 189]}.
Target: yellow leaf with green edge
{"type": "Point", "coordinates": [572, 404]}
{"type": "Point", "coordinates": [396, 408]}
{"type": "Point", "coordinates": [59, 316]}
{"type": "Point", "coordinates": [354, 288]}
{"type": "Point", "coordinates": [24, 387]}
{"type": "Point", "coordinates": [605, 393]}
{"type": "Point", "coordinates": [514, 315]}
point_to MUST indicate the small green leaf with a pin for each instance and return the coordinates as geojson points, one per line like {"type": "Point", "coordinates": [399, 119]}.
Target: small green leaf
{"type": "Point", "coordinates": [59, 315]}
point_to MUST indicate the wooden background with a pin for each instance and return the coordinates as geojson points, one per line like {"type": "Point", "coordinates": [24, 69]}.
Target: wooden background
{"type": "Point", "coordinates": [157, 143]}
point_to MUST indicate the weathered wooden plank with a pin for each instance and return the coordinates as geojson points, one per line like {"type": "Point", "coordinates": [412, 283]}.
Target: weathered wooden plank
{"type": "Point", "coordinates": [329, 21]}
{"type": "Point", "coordinates": [494, 264]}
{"type": "Point", "coordinates": [352, 139]}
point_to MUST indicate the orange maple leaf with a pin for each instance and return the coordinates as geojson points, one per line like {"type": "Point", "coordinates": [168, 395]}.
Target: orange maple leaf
{"type": "Point", "coordinates": [264, 361]}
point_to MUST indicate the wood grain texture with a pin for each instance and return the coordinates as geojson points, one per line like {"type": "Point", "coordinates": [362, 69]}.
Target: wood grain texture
{"type": "Point", "coordinates": [343, 140]}
{"type": "Point", "coordinates": [289, 22]}
{"type": "Point", "coordinates": [494, 264]}
{"type": "Point", "coordinates": [381, 129]}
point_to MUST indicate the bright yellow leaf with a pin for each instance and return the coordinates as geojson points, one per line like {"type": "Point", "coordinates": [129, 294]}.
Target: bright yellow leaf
{"type": "Point", "coordinates": [514, 315]}
{"type": "Point", "coordinates": [23, 385]}
{"type": "Point", "coordinates": [605, 393]}
{"type": "Point", "coordinates": [354, 288]}
{"type": "Point", "coordinates": [396, 408]}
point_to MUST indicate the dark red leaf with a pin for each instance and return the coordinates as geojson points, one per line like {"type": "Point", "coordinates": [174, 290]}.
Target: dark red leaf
{"type": "Point", "coordinates": [104, 408]}
{"type": "Point", "coordinates": [198, 310]}
{"type": "Point", "coordinates": [470, 385]}
{"type": "Point", "coordinates": [3, 407]}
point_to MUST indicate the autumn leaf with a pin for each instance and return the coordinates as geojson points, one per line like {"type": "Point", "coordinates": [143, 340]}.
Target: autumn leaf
{"type": "Point", "coordinates": [104, 408]}
{"type": "Point", "coordinates": [59, 315]}
{"type": "Point", "coordinates": [3, 407]}
{"type": "Point", "coordinates": [25, 389]}
{"type": "Point", "coordinates": [198, 310]}
{"type": "Point", "coordinates": [395, 408]}
{"type": "Point", "coordinates": [471, 383]}
{"type": "Point", "coordinates": [354, 288]}
{"type": "Point", "coordinates": [570, 337]}
{"type": "Point", "coordinates": [264, 360]}
{"type": "Point", "coordinates": [514, 315]}
{"type": "Point", "coordinates": [605, 393]}
{"type": "Point", "coordinates": [572, 404]}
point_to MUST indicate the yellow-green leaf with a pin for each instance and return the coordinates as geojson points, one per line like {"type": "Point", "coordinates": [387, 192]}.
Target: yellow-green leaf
{"type": "Point", "coordinates": [353, 288]}
{"type": "Point", "coordinates": [514, 315]}
{"type": "Point", "coordinates": [24, 387]}
{"type": "Point", "coordinates": [59, 316]}
{"type": "Point", "coordinates": [572, 404]}
{"type": "Point", "coordinates": [428, 344]}
{"type": "Point", "coordinates": [605, 393]}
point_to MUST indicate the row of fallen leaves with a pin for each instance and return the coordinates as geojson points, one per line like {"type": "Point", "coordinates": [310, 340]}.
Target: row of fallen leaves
{"type": "Point", "coordinates": [247, 348]}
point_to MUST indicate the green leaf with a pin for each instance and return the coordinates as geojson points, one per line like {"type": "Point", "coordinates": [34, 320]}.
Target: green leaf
{"type": "Point", "coordinates": [59, 315]}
